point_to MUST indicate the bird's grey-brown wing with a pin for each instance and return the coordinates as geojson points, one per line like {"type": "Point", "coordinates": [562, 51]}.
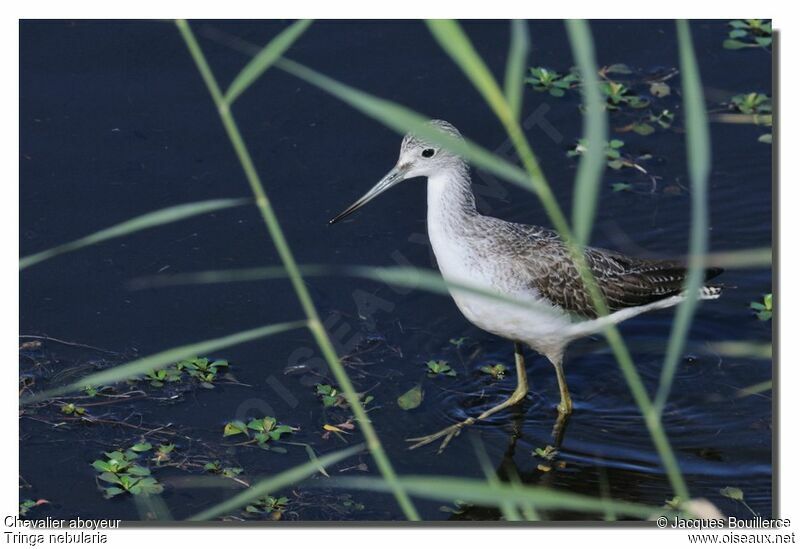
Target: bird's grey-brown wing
{"type": "Point", "coordinates": [624, 281]}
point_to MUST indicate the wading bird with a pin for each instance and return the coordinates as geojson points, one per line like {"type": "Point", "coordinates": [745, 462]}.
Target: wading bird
{"type": "Point", "coordinates": [527, 264]}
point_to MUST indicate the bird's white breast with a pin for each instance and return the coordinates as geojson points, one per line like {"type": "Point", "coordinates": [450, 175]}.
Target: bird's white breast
{"type": "Point", "coordinates": [541, 326]}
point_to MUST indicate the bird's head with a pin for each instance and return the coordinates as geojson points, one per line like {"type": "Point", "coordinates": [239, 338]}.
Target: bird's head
{"type": "Point", "coordinates": [418, 158]}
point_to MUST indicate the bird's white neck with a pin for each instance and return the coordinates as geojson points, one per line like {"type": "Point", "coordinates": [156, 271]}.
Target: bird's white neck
{"type": "Point", "coordinates": [450, 197]}
{"type": "Point", "coordinates": [451, 216]}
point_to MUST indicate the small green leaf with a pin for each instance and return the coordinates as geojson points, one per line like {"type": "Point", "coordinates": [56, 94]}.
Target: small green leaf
{"type": "Point", "coordinates": [660, 89]}
{"type": "Point", "coordinates": [234, 428]}
{"type": "Point", "coordinates": [735, 45]}
{"type": "Point", "coordinates": [141, 447]}
{"type": "Point", "coordinates": [733, 493]}
{"type": "Point", "coordinates": [643, 128]}
{"type": "Point", "coordinates": [412, 398]}
{"type": "Point", "coordinates": [618, 68]}
{"type": "Point", "coordinates": [112, 491]}
{"type": "Point", "coordinates": [109, 477]}
{"type": "Point", "coordinates": [139, 471]}
{"type": "Point", "coordinates": [101, 465]}
{"type": "Point", "coordinates": [620, 186]}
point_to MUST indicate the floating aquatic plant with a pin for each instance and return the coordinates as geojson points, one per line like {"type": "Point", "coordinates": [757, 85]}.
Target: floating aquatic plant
{"type": "Point", "coordinates": [497, 371]}
{"type": "Point", "coordinates": [650, 122]}
{"type": "Point", "coordinates": [203, 370]}
{"type": "Point", "coordinates": [548, 452]}
{"type": "Point", "coordinates": [332, 397]}
{"type": "Point", "coordinates": [621, 186]}
{"type": "Point", "coordinates": [752, 103]}
{"type": "Point", "coordinates": [736, 494]}
{"type": "Point", "coordinates": [749, 33]}
{"type": "Point", "coordinates": [618, 95]}
{"type": "Point", "coordinates": [439, 367]}
{"type": "Point", "coordinates": [262, 431]}
{"type": "Point", "coordinates": [555, 83]}
{"type": "Point", "coordinates": [163, 453]}
{"type": "Point", "coordinates": [26, 506]}
{"type": "Point", "coordinates": [615, 159]}
{"type": "Point", "coordinates": [122, 473]}
{"type": "Point", "coordinates": [268, 505]}
{"type": "Point", "coordinates": [71, 409]}
{"type": "Point", "coordinates": [759, 106]}
{"type": "Point", "coordinates": [215, 467]}
{"type": "Point", "coordinates": [412, 398]}
{"type": "Point", "coordinates": [763, 309]}
{"type": "Point", "coordinates": [158, 378]}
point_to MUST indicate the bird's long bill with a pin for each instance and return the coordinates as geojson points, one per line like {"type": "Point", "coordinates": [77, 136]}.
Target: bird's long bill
{"type": "Point", "coordinates": [389, 180]}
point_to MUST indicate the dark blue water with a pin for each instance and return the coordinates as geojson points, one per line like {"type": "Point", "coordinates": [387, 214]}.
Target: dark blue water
{"type": "Point", "coordinates": [115, 121]}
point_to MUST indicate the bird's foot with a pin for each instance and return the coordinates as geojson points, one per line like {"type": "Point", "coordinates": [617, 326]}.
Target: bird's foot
{"type": "Point", "coordinates": [447, 433]}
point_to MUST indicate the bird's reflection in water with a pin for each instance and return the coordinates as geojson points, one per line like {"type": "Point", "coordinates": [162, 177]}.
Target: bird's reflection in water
{"type": "Point", "coordinates": [507, 471]}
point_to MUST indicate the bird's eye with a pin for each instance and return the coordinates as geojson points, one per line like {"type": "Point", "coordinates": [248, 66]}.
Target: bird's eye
{"type": "Point", "coordinates": [427, 153]}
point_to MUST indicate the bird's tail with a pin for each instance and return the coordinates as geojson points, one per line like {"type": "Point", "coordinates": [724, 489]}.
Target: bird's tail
{"type": "Point", "coordinates": [712, 291]}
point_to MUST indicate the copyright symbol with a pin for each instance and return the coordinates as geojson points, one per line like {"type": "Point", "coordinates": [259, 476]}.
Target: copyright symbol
{"type": "Point", "coordinates": [661, 522]}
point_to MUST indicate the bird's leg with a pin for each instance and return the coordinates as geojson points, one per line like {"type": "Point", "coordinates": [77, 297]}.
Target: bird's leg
{"type": "Point", "coordinates": [559, 428]}
{"type": "Point", "coordinates": [565, 406]}
{"type": "Point", "coordinates": [452, 431]}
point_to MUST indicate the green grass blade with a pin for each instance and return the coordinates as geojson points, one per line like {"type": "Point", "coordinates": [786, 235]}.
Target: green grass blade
{"type": "Point", "coordinates": [165, 358]}
{"type": "Point", "coordinates": [595, 129]}
{"type": "Point", "coordinates": [146, 221]}
{"type": "Point", "coordinates": [265, 58]}
{"type": "Point", "coordinates": [742, 349]}
{"type": "Point", "coordinates": [516, 66]}
{"type": "Point", "coordinates": [403, 120]}
{"type": "Point", "coordinates": [271, 485]}
{"type": "Point", "coordinates": [758, 388]}
{"type": "Point", "coordinates": [405, 277]}
{"type": "Point", "coordinates": [481, 493]}
{"type": "Point", "coordinates": [455, 42]}
{"type": "Point", "coordinates": [698, 153]}
{"type": "Point", "coordinates": [740, 259]}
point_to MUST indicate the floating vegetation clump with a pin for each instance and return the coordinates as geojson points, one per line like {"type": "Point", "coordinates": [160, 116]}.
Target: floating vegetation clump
{"type": "Point", "coordinates": [412, 398]}
{"type": "Point", "coordinates": [555, 83]}
{"type": "Point", "coordinates": [437, 368]}
{"type": "Point", "coordinates": [71, 409]}
{"type": "Point", "coordinates": [332, 397]}
{"type": "Point", "coordinates": [259, 431]}
{"type": "Point", "coordinates": [216, 468]}
{"type": "Point", "coordinates": [648, 123]}
{"type": "Point", "coordinates": [736, 494]}
{"type": "Point", "coordinates": [270, 506]}
{"type": "Point", "coordinates": [763, 308]}
{"type": "Point", "coordinates": [27, 505]}
{"type": "Point", "coordinates": [122, 472]}
{"type": "Point", "coordinates": [496, 371]}
{"type": "Point", "coordinates": [749, 33]}
{"type": "Point", "coordinates": [752, 103]}
{"type": "Point", "coordinates": [616, 159]}
{"type": "Point", "coordinates": [619, 95]}
{"type": "Point", "coordinates": [204, 371]}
